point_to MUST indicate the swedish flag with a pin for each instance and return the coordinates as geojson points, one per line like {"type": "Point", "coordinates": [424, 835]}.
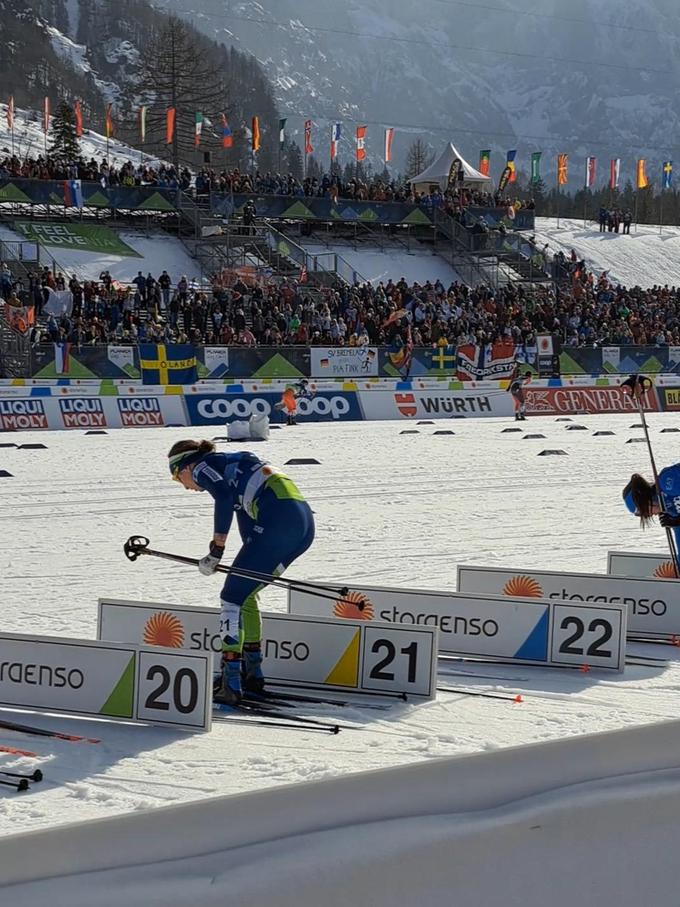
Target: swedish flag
{"type": "Point", "coordinates": [167, 364]}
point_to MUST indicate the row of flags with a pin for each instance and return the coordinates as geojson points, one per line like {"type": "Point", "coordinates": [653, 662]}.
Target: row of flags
{"type": "Point", "coordinates": [227, 133]}
{"type": "Point", "coordinates": [509, 174]}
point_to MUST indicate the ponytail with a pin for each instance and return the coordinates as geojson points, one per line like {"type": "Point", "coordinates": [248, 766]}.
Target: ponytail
{"type": "Point", "coordinates": [183, 453]}
{"type": "Point", "coordinates": [643, 495]}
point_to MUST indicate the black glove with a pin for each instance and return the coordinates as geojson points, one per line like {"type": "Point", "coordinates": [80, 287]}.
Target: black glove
{"type": "Point", "coordinates": [208, 564]}
{"type": "Point", "coordinates": [668, 521]}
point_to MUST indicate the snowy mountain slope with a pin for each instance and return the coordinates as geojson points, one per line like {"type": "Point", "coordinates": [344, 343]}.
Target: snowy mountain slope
{"type": "Point", "coordinates": [481, 75]}
{"type": "Point", "coordinates": [649, 256]}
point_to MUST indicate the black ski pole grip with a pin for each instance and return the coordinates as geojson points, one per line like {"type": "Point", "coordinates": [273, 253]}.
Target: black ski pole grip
{"type": "Point", "coordinates": [135, 546]}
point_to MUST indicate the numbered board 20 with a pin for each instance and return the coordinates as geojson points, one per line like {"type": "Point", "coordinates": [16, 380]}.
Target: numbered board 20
{"type": "Point", "coordinates": [106, 680]}
{"type": "Point", "coordinates": [653, 606]}
{"type": "Point", "coordinates": [522, 630]}
{"type": "Point", "coordinates": [641, 565]}
{"type": "Point", "coordinates": [352, 655]}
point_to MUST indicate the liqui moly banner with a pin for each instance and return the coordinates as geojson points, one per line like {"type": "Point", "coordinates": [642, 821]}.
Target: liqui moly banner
{"type": "Point", "coordinates": [653, 604]}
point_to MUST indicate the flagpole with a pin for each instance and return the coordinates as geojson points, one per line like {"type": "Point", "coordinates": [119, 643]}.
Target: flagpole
{"type": "Point", "coordinates": [661, 212]}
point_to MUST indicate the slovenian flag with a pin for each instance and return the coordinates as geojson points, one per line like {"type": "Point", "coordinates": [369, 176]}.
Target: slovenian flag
{"type": "Point", "coordinates": [73, 194]}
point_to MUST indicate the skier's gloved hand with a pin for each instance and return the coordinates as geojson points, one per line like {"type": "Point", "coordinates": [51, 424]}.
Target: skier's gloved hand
{"type": "Point", "coordinates": [208, 564]}
{"type": "Point", "coordinates": [668, 521]}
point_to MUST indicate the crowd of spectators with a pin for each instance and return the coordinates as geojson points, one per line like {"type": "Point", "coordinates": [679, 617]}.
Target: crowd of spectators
{"type": "Point", "coordinates": [581, 308]}
{"type": "Point", "coordinates": [163, 176]}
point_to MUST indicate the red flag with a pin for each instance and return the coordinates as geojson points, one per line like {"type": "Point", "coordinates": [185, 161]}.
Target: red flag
{"type": "Point", "coordinates": [303, 274]}
{"type": "Point", "coordinates": [10, 112]}
{"type": "Point", "coordinates": [79, 118]}
{"type": "Point", "coordinates": [614, 173]}
{"type": "Point", "coordinates": [361, 143]}
{"type": "Point", "coordinates": [389, 138]}
{"type": "Point", "coordinates": [256, 133]}
{"type": "Point", "coordinates": [170, 125]}
{"type": "Point", "coordinates": [108, 121]}
{"type": "Point", "coordinates": [46, 115]}
{"type": "Point", "coordinates": [227, 135]}
{"type": "Point", "coordinates": [308, 137]}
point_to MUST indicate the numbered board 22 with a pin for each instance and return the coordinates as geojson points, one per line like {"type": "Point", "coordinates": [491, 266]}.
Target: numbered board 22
{"type": "Point", "coordinates": [346, 655]}
{"type": "Point", "coordinates": [106, 680]}
{"type": "Point", "coordinates": [521, 629]}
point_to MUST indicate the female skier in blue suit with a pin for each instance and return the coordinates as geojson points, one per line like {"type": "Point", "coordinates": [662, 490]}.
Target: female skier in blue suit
{"type": "Point", "coordinates": [276, 526]}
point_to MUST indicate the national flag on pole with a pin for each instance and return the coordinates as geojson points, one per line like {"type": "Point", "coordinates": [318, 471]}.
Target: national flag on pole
{"type": "Point", "coordinates": [62, 357]}
{"type": "Point", "coordinates": [282, 132]}
{"type": "Point", "coordinates": [78, 113]}
{"type": "Point", "coordinates": [536, 167]}
{"type": "Point", "coordinates": [142, 123]}
{"type": "Point", "coordinates": [389, 138]}
{"type": "Point", "coordinates": [73, 194]}
{"type": "Point", "coordinates": [510, 164]}
{"type": "Point", "coordinates": [562, 171]}
{"type": "Point", "coordinates": [591, 166]}
{"type": "Point", "coordinates": [361, 143]}
{"type": "Point", "coordinates": [108, 121]}
{"type": "Point", "coordinates": [46, 115]}
{"type": "Point", "coordinates": [10, 112]}
{"type": "Point", "coordinates": [303, 274]}
{"type": "Point", "coordinates": [667, 175]}
{"type": "Point", "coordinates": [336, 132]}
{"type": "Point", "coordinates": [642, 181]}
{"type": "Point", "coordinates": [308, 137]}
{"type": "Point", "coordinates": [256, 134]}
{"type": "Point", "coordinates": [198, 128]}
{"type": "Point", "coordinates": [485, 162]}
{"type": "Point", "coordinates": [170, 114]}
{"type": "Point", "coordinates": [614, 173]}
{"type": "Point", "coordinates": [227, 134]}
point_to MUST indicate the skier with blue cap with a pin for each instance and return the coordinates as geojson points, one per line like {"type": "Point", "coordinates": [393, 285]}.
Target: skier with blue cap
{"type": "Point", "coordinates": [276, 526]}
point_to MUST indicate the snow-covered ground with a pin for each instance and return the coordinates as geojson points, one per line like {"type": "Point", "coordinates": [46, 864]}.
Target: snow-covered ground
{"type": "Point", "coordinates": [649, 256]}
{"type": "Point", "coordinates": [156, 253]}
{"type": "Point", "coordinates": [391, 509]}
{"type": "Point", "coordinates": [391, 262]}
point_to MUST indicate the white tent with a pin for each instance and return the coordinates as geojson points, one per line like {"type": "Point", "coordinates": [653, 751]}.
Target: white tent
{"type": "Point", "coordinates": [443, 171]}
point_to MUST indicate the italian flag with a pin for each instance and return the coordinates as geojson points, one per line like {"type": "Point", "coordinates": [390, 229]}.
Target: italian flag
{"type": "Point", "coordinates": [198, 129]}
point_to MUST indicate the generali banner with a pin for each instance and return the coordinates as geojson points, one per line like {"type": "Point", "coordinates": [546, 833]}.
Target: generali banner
{"type": "Point", "coordinates": [550, 401]}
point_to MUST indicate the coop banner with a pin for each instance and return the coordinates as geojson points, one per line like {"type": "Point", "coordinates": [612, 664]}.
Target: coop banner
{"type": "Point", "coordinates": [344, 362]}
{"type": "Point", "coordinates": [491, 360]}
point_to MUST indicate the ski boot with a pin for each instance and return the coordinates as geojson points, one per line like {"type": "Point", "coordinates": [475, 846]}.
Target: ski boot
{"type": "Point", "coordinates": [253, 678]}
{"type": "Point", "coordinates": [227, 686]}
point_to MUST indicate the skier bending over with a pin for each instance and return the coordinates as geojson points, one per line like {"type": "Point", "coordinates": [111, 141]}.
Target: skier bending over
{"type": "Point", "coordinates": [642, 499]}
{"type": "Point", "coordinates": [276, 526]}
{"type": "Point", "coordinates": [516, 388]}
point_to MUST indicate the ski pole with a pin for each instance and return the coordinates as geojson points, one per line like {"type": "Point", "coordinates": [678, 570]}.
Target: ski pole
{"type": "Point", "coordinates": [137, 545]}
{"type": "Point", "coordinates": [638, 384]}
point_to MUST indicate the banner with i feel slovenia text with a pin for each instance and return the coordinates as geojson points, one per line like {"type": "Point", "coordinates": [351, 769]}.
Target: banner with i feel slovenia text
{"type": "Point", "coordinates": [81, 237]}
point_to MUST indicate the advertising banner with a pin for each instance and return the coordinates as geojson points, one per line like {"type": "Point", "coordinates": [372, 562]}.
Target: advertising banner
{"type": "Point", "coordinates": [653, 605]}
{"type": "Point", "coordinates": [670, 398]}
{"type": "Point", "coordinates": [347, 655]}
{"type": "Point", "coordinates": [106, 680]}
{"type": "Point", "coordinates": [77, 236]}
{"type": "Point", "coordinates": [557, 401]}
{"type": "Point", "coordinates": [215, 363]}
{"type": "Point", "coordinates": [216, 409]}
{"type": "Point", "coordinates": [629, 563]}
{"type": "Point", "coordinates": [85, 411]}
{"type": "Point", "coordinates": [435, 404]}
{"type": "Point", "coordinates": [524, 630]}
{"type": "Point", "coordinates": [344, 362]}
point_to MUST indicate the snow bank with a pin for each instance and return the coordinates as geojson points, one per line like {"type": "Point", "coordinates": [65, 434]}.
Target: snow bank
{"type": "Point", "coordinates": [155, 254]}
{"type": "Point", "coordinates": [650, 255]}
{"type": "Point", "coordinates": [393, 262]}
{"type": "Point", "coordinates": [555, 823]}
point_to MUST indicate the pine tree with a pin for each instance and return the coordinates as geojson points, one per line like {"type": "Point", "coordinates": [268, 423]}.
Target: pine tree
{"type": "Point", "coordinates": [64, 139]}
